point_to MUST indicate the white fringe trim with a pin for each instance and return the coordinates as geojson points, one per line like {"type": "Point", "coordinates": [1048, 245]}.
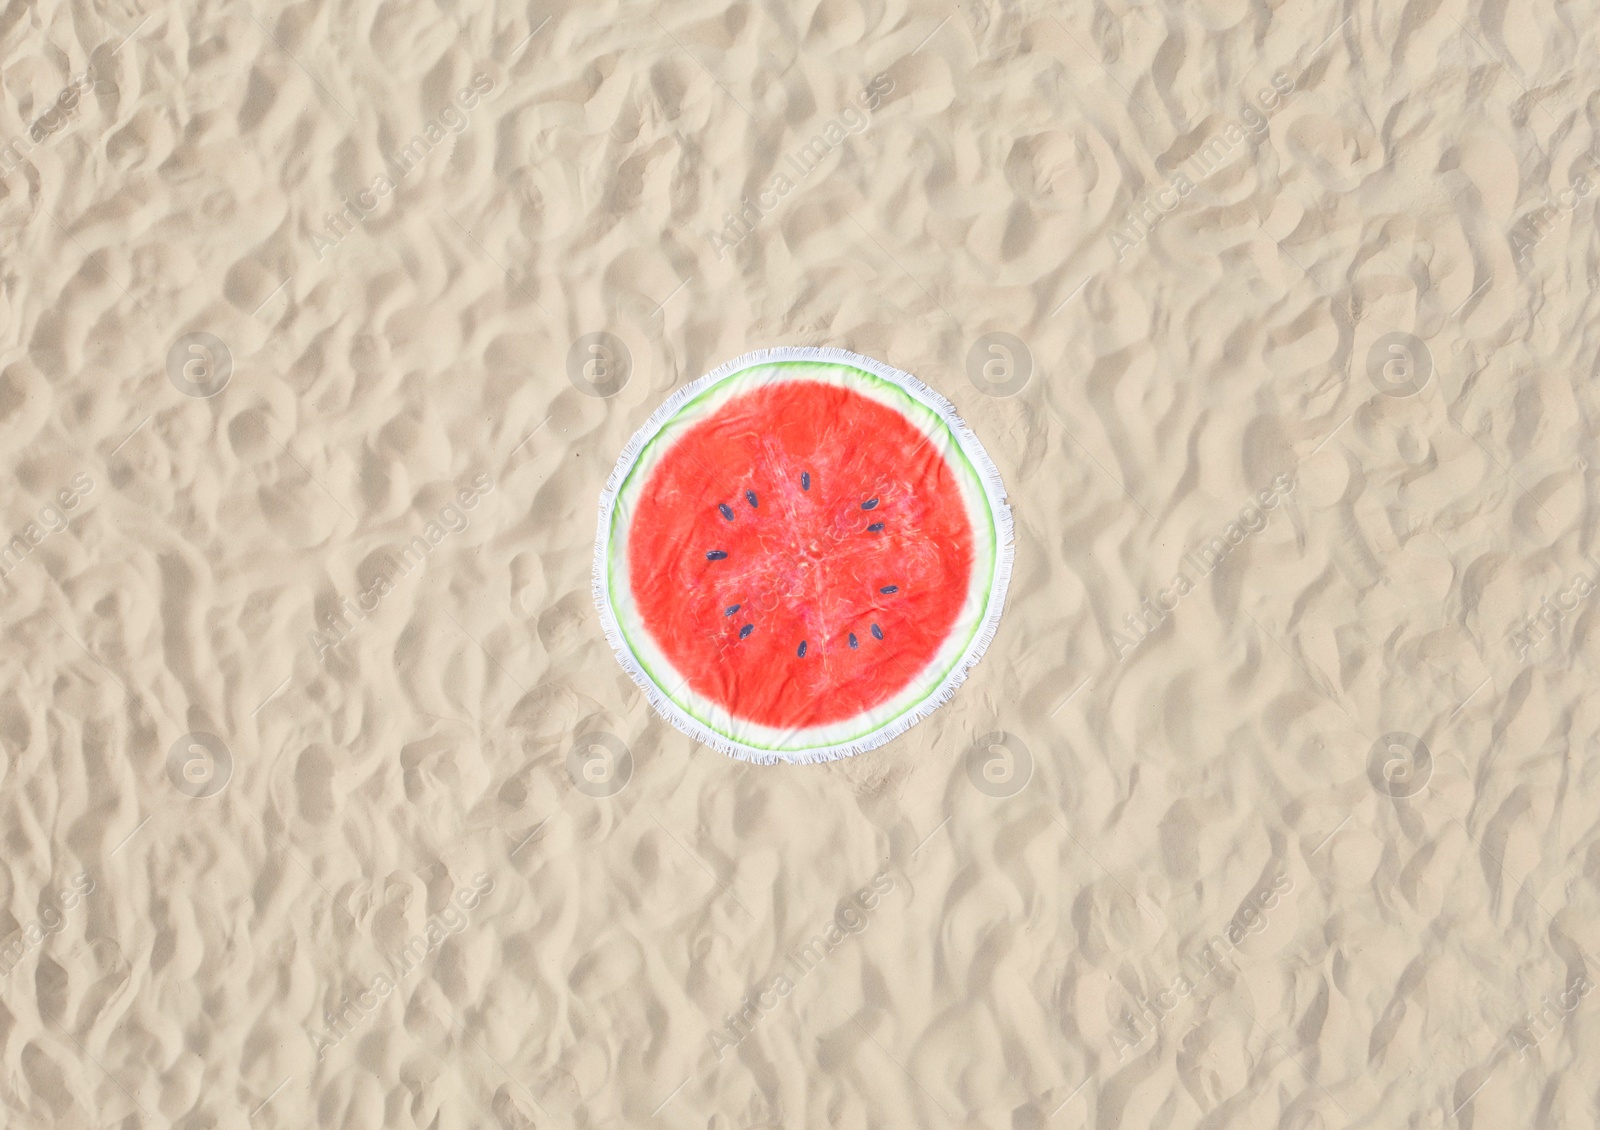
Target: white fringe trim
{"type": "Point", "coordinates": [1005, 553]}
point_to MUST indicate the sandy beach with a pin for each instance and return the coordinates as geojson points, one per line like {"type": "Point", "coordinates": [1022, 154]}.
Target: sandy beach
{"type": "Point", "coordinates": [325, 801]}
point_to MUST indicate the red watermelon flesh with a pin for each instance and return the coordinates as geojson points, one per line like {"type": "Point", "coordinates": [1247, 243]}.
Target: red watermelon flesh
{"type": "Point", "coordinates": [801, 554]}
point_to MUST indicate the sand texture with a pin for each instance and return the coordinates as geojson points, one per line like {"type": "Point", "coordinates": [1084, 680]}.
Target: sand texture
{"type": "Point", "coordinates": [324, 802]}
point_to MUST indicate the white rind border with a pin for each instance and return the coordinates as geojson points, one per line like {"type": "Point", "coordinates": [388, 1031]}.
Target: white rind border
{"type": "Point", "coordinates": [994, 491]}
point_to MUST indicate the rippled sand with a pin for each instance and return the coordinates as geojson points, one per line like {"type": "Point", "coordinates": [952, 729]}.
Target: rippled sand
{"type": "Point", "coordinates": [324, 802]}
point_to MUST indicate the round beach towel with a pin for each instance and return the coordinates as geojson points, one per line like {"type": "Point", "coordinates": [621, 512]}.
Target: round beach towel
{"type": "Point", "coordinates": [801, 554]}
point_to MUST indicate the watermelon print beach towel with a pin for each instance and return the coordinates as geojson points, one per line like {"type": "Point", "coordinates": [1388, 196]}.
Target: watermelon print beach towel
{"type": "Point", "coordinates": [801, 554]}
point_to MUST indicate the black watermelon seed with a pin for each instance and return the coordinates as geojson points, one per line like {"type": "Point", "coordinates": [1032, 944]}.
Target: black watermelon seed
{"type": "Point", "coordinates": [730, 610]}
{"type": "Point", "coordinates": [727, 511]}
{"type": "Point", "coordinates": [869, 504]}
{"type": "Point", "coordinates": [750, 497]}
{"type": "Point", "coordinates": [887, 589]}
{"type": "Point", "coordinates": [805, 480]}
{"type": "Point", "coordinates": [716, 554]}
{"type": "Point", "coordinates": [877, 632]}
{"type": "Point", "coordinates": [746, 630]}
{"type": "Point", "coordinates": [802, 652]}
{"type": "Point", "coordinates": [875, 528]}
{"type": "Point", "coordinates": [853, 640]}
